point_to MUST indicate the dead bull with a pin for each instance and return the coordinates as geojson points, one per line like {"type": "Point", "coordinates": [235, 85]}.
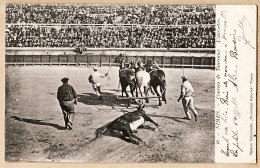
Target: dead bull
{"type": "Point", "coordinates": [127, 124]}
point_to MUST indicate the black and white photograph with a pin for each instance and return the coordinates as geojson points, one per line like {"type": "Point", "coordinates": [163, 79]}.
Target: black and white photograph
{"type": "Point", "coordinates": [121, 83]}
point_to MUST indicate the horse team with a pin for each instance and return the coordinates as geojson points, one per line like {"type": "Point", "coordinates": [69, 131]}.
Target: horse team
{"type": "Point", "coordinates": [142, 78]}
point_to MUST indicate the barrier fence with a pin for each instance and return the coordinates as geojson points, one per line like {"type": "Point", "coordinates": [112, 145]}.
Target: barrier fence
{"type": "Point", "coordinates": [108, 60]}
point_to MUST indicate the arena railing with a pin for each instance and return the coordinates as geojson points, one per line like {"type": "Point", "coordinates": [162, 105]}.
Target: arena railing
{"type": "Point", "coordinates": [194, 58]}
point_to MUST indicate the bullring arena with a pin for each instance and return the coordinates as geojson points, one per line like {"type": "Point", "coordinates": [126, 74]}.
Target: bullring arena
{"type": "Point", "coordinates": [34, 123]}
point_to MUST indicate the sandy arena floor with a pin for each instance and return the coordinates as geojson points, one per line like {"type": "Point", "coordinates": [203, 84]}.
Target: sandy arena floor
{"type": "Point", "coordinates": [35, 127]}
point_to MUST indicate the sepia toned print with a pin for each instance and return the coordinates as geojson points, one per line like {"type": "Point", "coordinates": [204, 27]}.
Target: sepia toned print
{"type": "Point", "coordinates": [136, 83]}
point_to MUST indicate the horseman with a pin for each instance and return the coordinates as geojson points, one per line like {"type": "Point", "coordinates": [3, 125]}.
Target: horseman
{"type": "Point", "coordinates": [122, 61]}
{"type": "Point", "coordinates": [151, 65]}
{"type": "Point", "coordinates": [155, 65]}
{"type": "Point", "coordinates": [135, 63]}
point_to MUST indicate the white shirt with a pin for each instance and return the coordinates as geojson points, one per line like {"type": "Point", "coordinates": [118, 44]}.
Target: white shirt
{"type": "Point", "coordinates": [97, 77]}
{"type": "Point", "coordinates": [187, 89]}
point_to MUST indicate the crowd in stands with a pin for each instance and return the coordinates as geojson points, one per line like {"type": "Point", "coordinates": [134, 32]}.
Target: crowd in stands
{"type": "Point", "coordinates": [110, 14]}
{"type": "Point", "coordinates": [111, 37]}
{"type": "Point", "coordinates": [154, 26]}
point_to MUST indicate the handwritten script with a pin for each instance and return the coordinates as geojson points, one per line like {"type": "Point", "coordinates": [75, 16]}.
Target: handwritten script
{"type": "Point", "coordinates": [235, 45]}
{"type": "Point", "coordinates": [228, 86]}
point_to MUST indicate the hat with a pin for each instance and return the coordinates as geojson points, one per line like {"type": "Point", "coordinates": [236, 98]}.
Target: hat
{"type": "Point", "coordinates": [184, 77]}
{"type": "Point", "coordinates": [95, 68]}
{"type": "Point", "coordinates": [64, 79]}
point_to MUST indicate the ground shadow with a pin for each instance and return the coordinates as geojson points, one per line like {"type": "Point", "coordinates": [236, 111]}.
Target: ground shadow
{"type": "Point", "coordinates": [103, 131]}
{"type": "Point", "coordinates": [38, 122]}
{"type": "Point", "coordinates": [108, 99]}
{"type": "Point", "coordinates": [117, 134]}
{"type": "Point", "coordinates": [177, 119]}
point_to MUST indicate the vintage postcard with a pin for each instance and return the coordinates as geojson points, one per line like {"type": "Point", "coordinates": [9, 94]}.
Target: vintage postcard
{"type": "Point", "coordinates": [130, 83]}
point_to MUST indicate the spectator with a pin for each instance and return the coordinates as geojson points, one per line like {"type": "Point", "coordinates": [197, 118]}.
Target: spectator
{"type": "Point", "coordinates": [110, 14]}
{"type": "Point", "coordinates": [153, 26]}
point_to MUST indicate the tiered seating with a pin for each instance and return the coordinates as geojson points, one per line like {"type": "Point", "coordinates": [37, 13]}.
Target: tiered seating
{"type": "Point", "coordinates": [110, 26]}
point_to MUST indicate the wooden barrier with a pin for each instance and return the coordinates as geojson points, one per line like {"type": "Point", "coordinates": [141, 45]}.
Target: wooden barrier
{"type": "Point", "coordinates": [100, 60]}
{"type": "Point", "coordinates": [190, 60]}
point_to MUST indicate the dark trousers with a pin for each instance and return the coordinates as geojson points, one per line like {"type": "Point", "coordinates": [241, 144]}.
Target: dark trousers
{"type": "Point", "coordinates": [68, 111]}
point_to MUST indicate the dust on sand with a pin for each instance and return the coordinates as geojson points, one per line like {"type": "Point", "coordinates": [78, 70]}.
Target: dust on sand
{"type": "Point", "coordinates": [35, 128]}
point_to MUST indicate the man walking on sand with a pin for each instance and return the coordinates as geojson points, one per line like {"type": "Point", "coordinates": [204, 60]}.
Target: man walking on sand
{"type": "Point", "coordinates": [95, 80]}
{"type": "Point", "coordinates": [67, 98]}
{"type": "Point", "coordinates": [187, 93]}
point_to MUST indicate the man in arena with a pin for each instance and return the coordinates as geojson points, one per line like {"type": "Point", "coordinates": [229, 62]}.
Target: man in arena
{"type": "Point", "coordinates": [135, 63]}
{"type": "Point", "coordinates": [96, 77]}
{"type": "Point", "coordinates": [187, 93]}
{"type": "Point", "coordinates": [132, 64]}
{"type": "Point", "coordinates": [151, 65]}
{"type": "Point", "coordinates": [67, 98]}
{"type": "Point", "coordinates": [122, 61]}
{"type": "Point", "coordinates": [154, 65]}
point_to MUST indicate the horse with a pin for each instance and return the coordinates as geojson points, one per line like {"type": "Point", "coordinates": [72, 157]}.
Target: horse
{"type": "Point", "coordinates": [128, 124]}
{"type": "Point", "coordinates": [142, 81]}
{"type": "Point", "coordinates": [126, 77]}
{"type": "Point", "coordinates": [157, 79]}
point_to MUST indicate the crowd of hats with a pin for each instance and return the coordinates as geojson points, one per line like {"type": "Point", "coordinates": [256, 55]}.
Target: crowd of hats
{"type": "Point", "coordinates": [144, 26]}
{"type": "Point", "coordinates": [110, 14]}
